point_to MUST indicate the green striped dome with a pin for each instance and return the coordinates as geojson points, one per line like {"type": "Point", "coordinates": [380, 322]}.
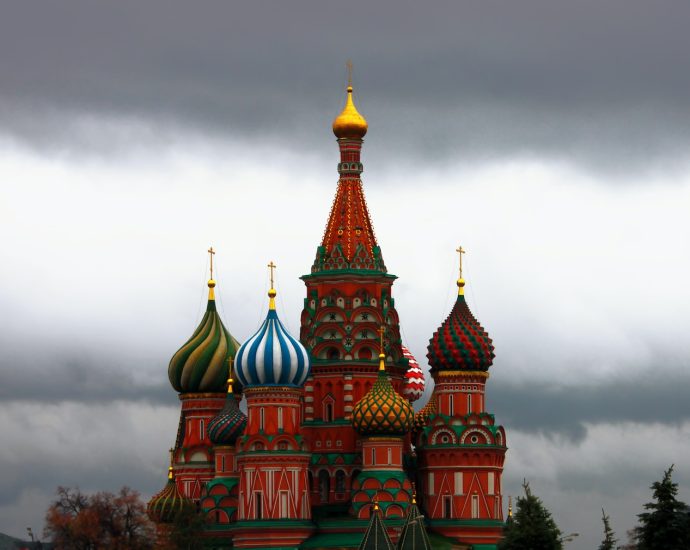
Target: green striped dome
{"type": "Point", "coordinates": [168, 503]}
{"type": "Point", "coordinates": [201, 365]}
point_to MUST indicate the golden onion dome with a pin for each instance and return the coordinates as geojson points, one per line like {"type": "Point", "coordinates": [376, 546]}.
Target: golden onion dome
{"type": "Point", "coordinates": [382, 411]}
{"type": "Point", "coordinates": [349, 123]}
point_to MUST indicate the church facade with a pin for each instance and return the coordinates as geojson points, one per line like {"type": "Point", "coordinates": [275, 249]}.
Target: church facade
{"type": "Point", "coordinates": [331, 451]}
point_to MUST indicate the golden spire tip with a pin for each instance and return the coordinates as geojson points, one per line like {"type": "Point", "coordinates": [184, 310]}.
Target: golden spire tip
{"type": "Point", "coordinates": [382, 355]}
{"type": "Point", "coordinates": [272, 291]}
{"type": "Point", "coordinates": [461, 282]}
{"type": "Point", "coordinates": [211, 281]}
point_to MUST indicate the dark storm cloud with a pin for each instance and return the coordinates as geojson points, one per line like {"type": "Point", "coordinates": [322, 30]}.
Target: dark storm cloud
{"type": "Point", "coordinates": [603, 83]}
{"type": "Point", "coordinates": [566, 410]}
{"type": "Point", "coordinates": [83, 380]}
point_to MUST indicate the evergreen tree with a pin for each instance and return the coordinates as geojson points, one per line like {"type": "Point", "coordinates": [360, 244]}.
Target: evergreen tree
{"type": "Point", "coordinates": [609, 542]}
{"type": "Point", "coordinates": [532, 526]}
{"type": "Point", "coordinates": [666, 523]}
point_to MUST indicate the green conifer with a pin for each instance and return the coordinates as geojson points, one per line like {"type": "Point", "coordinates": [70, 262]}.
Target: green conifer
{"type": "Point", "coordinates": [609, 542]}
{"type": "Point", "coordinates": [666, 523]}
{"type": "Point", "coordinates": [531, 527]}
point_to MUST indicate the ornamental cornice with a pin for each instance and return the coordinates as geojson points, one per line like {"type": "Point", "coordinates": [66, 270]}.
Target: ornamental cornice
{"type": "Point", "coordinates": [460, 373]}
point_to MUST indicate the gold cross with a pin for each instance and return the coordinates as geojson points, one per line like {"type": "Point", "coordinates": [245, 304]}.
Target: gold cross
{"type": "Point", "coordinates": [349, 72]}
{"type": "Point", "coordinates": [382, 331]}
{"type": "Point", "coordinates": [271, 267]}
{"type": "Point", "coordinates": [460, 250]}
{"type": "Point", "coordinates": [211, 252]}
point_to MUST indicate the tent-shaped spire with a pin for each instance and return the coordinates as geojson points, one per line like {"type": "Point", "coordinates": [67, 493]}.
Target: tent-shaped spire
{"type": "Point", "coordinates": [413, 535]}
{"type": "Point", "coordinates": [349, 242]}
{"type": "Point", "coordinates": [376, 537]}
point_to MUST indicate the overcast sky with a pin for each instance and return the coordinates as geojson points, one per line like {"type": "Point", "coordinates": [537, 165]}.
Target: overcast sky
{"type": "Point", "coordinates": [549, 139]}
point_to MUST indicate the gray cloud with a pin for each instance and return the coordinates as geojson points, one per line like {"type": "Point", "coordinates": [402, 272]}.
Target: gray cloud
{"type": "Point", "coordinates": [558, 410]}
{"type": "Point", "coordinates": [601, 84]}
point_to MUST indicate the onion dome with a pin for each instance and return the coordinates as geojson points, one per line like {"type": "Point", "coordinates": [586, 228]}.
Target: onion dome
{"type": "Point", "coordinates": [422, 417]}
{"type": "Point", "coordinates": [229, 423]}
{"type": "Point", "coordinates": [349, 124]}
{"type": "Point", "coordinates": [460, 343]}
{"type": "Point", "coordinates": [201, 365]}
{"type": "Point", "coordinates": [167, 504]}
{"type": "Point", "coordinates": [414, 378]}
{"type": "Point", "coordinates": [272, 357]}
{"type": "Point", "coordinates": [382, 411]}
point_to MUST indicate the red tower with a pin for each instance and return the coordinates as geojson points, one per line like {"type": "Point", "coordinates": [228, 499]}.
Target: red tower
{"type": "Point", "coordinates": [272, 456]}
{"type": "Point", "coordinates": [349, 296]}
{"type": "Point", "coordinates": [460, 449]}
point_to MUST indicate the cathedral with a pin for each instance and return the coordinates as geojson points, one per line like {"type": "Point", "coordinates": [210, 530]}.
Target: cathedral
{"type": "Point", "coordinates": [330, 452]}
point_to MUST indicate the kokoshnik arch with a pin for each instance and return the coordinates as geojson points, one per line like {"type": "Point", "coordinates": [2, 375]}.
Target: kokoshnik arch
{"type": "Point", "coordinates": [331, 453]}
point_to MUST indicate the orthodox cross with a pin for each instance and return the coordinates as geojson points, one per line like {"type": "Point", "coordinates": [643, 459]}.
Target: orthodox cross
{"type": "Point", "coordinates": [349, 72]}
{"type": "Point", "coordinates": [460, 250]}
{"type": "Point", "coordinates": [271, 267]}
{"type": "Point", "coordinates": [211, 252]}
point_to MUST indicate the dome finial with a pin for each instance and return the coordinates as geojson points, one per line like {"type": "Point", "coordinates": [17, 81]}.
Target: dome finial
{"type": "Point", "coordinates": [382, 355]}
{"type": "Point", "coordinates": [211, 282]}
{"type": "Point", "coordinates": [461, 282]}
{"type": "Point", "coordinates": [272, 291]}
{"type": "Point", "coordinates": [230, 380]}
{"type": "Point", "coordinates": [170, 468]}
{"type": "Point", "coordinates": [349, 124]}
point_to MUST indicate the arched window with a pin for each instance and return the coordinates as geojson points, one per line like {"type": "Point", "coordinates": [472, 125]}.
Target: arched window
{"type": "Point", "coordinates": [324, 485]}
{"type": "Point", "coordinates": [340, 481]}
{"type": "Point", "coordinates": [280, 418]}
{"type": "Point", "coordinates": [261, 418]}
{"type": "Point", "coordinates": [333, 354]}
{"type": "Point", "coordinates": [451, 402]}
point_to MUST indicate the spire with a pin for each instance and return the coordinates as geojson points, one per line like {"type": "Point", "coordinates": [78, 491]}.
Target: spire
{"type": "Point", "coordinates": [349, 242]}
{"type": "Point", "coordinates": [382, 356]}
{"type": "Point", "coordinates": [461, 282]}
{"type": "Point", "coordinates": [211, 282]}
{"type": "Point", "coordinates": [272, 291]}
{"type": "Point", "coordinates": [413, 535]}
{"type": "Point", "coordinates": [376, 537]}
{"type": "Point", "coordinates": [349, 124]}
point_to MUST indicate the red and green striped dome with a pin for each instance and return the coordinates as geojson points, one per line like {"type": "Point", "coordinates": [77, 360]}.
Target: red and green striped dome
{"type": "Point", "coordinates": [460, 343]}
{"type": "Point", "coordinates": [382, 411]}
{"type": "Point", "coordinates": [164, 506]}
{"type": "Point", "coordinates": [229, 424]}
{"type": "Point", "coordinates": [201, 365]}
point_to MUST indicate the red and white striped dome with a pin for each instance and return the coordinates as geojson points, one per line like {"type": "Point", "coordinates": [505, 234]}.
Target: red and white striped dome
{"type": "Point", "coordinates": [414, 378]}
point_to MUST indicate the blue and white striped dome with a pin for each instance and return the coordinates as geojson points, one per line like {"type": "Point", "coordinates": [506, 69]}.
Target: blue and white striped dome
{"type": "Point", "coordinates": [272, 357]}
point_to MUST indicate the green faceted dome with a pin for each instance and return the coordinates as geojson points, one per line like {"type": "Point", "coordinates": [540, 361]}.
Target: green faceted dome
{"type": "Point", "coordinates": [201, 365]}
{"type": "Point", "coordinates": [382, 411]}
